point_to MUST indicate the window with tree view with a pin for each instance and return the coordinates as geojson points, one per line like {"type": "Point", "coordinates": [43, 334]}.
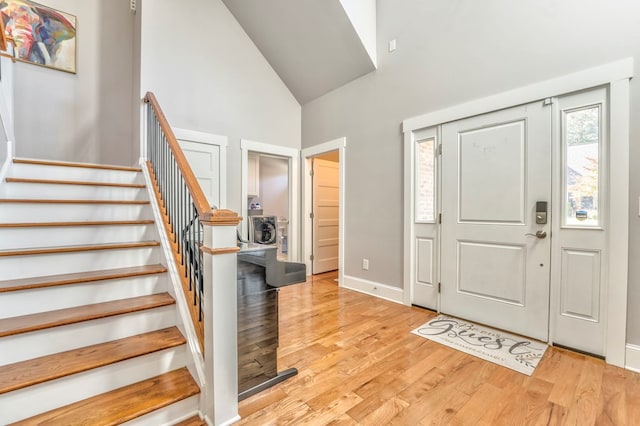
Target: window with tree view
{"type": "Point", "coordinates": [581, 138]}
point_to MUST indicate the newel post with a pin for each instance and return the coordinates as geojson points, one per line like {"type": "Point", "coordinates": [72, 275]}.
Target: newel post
{"type": "Point", "coordinates": [219, 248]}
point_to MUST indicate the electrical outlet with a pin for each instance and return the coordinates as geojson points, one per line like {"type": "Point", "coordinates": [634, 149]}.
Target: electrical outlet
{"type": "Point", "coordinates": [365, 264]}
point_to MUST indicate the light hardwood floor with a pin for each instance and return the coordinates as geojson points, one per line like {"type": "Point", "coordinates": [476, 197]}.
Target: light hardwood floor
{"type": "Point", "coordinates": [359, 364]}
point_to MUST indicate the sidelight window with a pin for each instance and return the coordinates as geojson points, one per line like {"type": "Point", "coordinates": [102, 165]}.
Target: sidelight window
{"type": "Point", "coordinates": [582, 143]}
{"type": "Point", "coordinates": [425, 180]}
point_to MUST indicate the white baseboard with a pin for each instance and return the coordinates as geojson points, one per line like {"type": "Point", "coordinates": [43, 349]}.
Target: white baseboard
{"type": "Point", "coordinates": [633, 358]}
{"type": "Point", "coordinates": [383, 291]}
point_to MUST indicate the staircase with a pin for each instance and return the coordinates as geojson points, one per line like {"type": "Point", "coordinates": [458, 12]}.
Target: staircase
{"type": "Point", "coordinates": [89, 331]}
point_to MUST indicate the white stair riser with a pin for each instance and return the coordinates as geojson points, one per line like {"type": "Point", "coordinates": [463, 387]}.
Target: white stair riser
{"type": "Point", "coordinates": [13, 267]}
{"type": "Point", "coordinates": [21, 404]}
{"type": "Point", "coordinates": [19, 238]}
{"type": "Point", "coordinates": [17, 303]}
{"type": "Point", "coordinates": [169, 415]}
{"type": "Point", "coordinates": [36, 171]}
{"type": "Point", "coordinates": [39, 343]}
{"type": "Point", "coordinates": [70, 192]}
{"type": "Point", "coordinates": [49, 212]}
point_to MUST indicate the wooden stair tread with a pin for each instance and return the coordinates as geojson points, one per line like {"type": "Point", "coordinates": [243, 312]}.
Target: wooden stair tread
{"type": "Point", "coordinates": [123, 404]}
{"type": "Point", "coordinates": [38, 370]}
{"type": "Point", "coordinates": [73, 164]}
{"type": "Point", "coordinates": [77, 223]}
{"type": "Point", "coordinates": [43, 320]}
{"type": "Point", "coordinates": [53, 201]}
{"type": "Point", "coordinates": [80, 277]}
{"type": "Point", "coordinates": [192, 421]}
{"type": "Point", "coordinates": [73, 249]}
{"type": "Point", "coordinates": [73, 182]}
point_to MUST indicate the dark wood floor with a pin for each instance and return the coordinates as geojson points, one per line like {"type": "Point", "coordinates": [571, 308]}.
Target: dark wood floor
{"type": "Point", "coordinates": [359, 364]}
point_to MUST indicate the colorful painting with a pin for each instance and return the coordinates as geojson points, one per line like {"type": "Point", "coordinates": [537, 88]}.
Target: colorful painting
{"type": "Point", "coordinates": [43, 36]}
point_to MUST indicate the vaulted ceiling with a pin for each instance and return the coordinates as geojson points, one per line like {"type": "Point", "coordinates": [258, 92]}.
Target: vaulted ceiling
{"type": "Point", "coordinates": [313, 45]}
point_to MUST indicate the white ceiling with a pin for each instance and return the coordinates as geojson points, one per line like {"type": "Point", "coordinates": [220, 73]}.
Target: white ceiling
{"type": "Point", "coordinates": [311, 44]}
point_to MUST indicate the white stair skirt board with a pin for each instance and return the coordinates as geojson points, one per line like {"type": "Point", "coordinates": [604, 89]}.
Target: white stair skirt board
{"type": "Point", "coordinates": [383, 291]}
{"type": "Point", "coordinates": [633, 358]}
{"type": "Point", "coordinates": [508, 350]}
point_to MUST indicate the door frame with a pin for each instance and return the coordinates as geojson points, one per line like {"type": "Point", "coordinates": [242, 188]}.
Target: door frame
{"type": "Point", "coordinates": [293, 155]}
{"type": "Point", "coordinates": [210, 139]}
{"type": "Point", "coordinates": [616, 76]}
{"type": "Point", "coordinates": [339, 145]}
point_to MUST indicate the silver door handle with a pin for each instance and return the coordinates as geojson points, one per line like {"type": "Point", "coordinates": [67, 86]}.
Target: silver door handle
{"type": "Point", "coordinates": [540, 234]}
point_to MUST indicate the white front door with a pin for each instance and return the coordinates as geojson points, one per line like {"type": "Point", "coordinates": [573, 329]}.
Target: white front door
{"type": "Point", "coordinates": [496, 170]}
{"type": "Point", "coordinates": [326, 221]}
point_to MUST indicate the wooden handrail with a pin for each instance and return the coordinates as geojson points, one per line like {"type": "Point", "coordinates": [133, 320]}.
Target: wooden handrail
{"type": "Point", "coordinates": [205, 214]}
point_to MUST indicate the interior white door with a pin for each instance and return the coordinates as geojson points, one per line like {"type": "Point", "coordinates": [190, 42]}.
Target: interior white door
{"type": "Point", "coordinates": [495, 270]}
{"type": "Point", "coordinates": [204, 160]}
{"type": "Point", "coordinates": [326, 223]}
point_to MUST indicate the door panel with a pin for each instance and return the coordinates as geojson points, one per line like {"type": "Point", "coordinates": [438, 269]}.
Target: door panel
{"type": "Point", "coordinates": [492, 271]}
{"type": "Point", "coordinates": [495, 168]}
{"type": "Point", "coordinates": [498, 196]}
{"type": "Point", "coordinates": [326, 203]}
{"type": "Point", "coordinates": [204, 160]}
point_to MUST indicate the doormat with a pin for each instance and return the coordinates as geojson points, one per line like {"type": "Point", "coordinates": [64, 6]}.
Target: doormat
{"type": "Point", "coordinates": [509, 350]}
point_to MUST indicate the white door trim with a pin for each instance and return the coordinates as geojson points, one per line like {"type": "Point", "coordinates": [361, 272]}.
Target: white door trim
{"type": "Point", "coordinates": [340, 145]}
{"type": "Point", "coordinates": [592, 77]}
{"type": "Point", "coordinates": [294, 187]}
{"type": "Point", "coordinates": [616, 75]}
{"type": "Point", "coordinates": [208, 138]}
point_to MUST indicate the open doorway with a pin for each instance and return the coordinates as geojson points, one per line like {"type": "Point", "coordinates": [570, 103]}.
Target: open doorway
{"type": "Point", "coordinates": [268, 201]}
{"type": "Point", "coordinates": [269, 190]}
{"type": "Point", "coordinates": [324, 208]}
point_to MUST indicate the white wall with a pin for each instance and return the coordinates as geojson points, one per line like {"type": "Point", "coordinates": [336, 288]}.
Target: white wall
{"type": "Point", "coordinates": [274, 186]}
{"type": "Point", "coordinates": [362, 14]}
{"type": "Point", "coordinates": [448, 53]}
{"type": "Point", "coordinates": [85, 116]}
{"type": "Point", "coordinates": [209, 76]}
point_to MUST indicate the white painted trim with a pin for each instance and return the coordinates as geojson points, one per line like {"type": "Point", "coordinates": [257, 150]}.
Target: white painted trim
{"type": "Point", "coordinates": [7, 96]}
{"type": "Point", "coordinates": [208, 421]}
{"type": "Point", "coordinates": [211, 139]}
{"type": "Point", "coordinates": [340, 145]}
{"type": "Point", "coordinates": [382, 291]}
{"type": "Point", "coordinates": [202, 137]}
{"type": "Point", "coordinates": [409, 231]}
{"type": "Point", "coordinates": [174, 278]}
{"type": "Point", "coordinates": [294, 188]}
{"type": "Point", "coordinates": [616, 337]}
{"type": "Point", "coordinates": [633, 358]}
{"type": "Point", "coordinates": [604, 74]}
{"type": "Point", "coordinates": [7, 162]}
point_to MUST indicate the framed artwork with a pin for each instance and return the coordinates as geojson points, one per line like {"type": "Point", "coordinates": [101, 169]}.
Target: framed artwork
{"type": "Point", "coordinates": [42, 35]}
